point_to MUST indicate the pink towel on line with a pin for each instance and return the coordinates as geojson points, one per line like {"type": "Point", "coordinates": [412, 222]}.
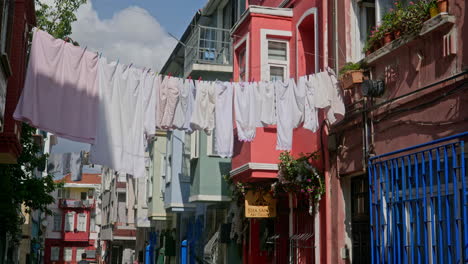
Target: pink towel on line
{"type": "Point", "coordinates": [60, 94]}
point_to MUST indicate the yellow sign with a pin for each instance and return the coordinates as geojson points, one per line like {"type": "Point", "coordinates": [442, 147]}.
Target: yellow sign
{"type": "Point", "coordinates": [259, 205]}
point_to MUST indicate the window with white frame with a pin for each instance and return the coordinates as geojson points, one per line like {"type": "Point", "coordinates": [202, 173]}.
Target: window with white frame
{"type": "Point", "coordinates": [70, 221]}
{"type": "Point", "coordinates": [57, 222]}
{"type": "Point", "coordinates": [68, 254]}
{"type": "Point", "coordinates": [79, 252]}
{"type": "Point", "coordinates": [81, 226]}
{"type": "Point", "coordinates": [63, 193]}
{"type": "Point", "coordinates": [185, 177]}
{"type": "Point", "coordinates": [278, 59]}
{"type": "Point", "coordinates": [92, 223]}
{"type": "Point", "coordinates": [54, 253]}
{"type": "Point", "coordinates": [194, 145]}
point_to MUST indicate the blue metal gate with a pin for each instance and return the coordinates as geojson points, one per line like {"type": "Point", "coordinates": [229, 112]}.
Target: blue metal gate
{"type": "Point", "coordinates": [418, 204]}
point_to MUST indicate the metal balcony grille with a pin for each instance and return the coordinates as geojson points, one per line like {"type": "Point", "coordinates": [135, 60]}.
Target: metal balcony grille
{"type": "Point", "coordinates": [208, 45]}
{"type": "Point", "coordinates": [418, 204]}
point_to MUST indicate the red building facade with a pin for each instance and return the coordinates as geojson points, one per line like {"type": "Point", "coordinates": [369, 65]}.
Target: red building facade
{"type": "Point", "coordinates": [72, 229]}
{"type": "Point", "coordinates": [18, 18]}
{"type": "Point", "coordinates": [293, 29]}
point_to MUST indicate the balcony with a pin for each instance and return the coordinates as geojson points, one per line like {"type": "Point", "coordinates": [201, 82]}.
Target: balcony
{"type": "Point", "coordinates": [208, 49]}
{"type": "Point", "coordinates": [76, 204]}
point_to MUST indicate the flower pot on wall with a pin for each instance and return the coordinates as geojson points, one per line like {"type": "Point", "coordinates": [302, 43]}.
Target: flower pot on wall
{"type": "Point", "coordinates": [442, 5]}
{"type": "Point", "coordinates": [434, 11]}
{"type": "Point", "coordinates": [350, 78]}
{"type": "Point", "coordinates": [397, 34]}
{"type": "Point", "coordinates": [388, 37]}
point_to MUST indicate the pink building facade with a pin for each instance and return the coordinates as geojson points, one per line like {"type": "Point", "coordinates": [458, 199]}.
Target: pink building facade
{"type": "Point", "coordinates": [424, 99]}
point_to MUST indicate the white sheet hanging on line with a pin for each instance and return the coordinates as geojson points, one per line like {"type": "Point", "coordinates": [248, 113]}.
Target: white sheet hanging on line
{"type": "Point", "coordinates": [337, 111]}
{"type": "Point", "coordinates": [267, 97]}
{"type": "Point", "coordinates": [310, 112]}
{"type": "Point", "coordinates": [151, 83]}
{"type": "Point", "coordinates": [288, 113]}
{"type": "Point", "coordinates": [224, 134]}
{"type": "Point", "coordinates": [244, 106]}
{"type": "Point", "coordinates": [120, 133]}
{"type": "Point", "coordinates": [60, 94]}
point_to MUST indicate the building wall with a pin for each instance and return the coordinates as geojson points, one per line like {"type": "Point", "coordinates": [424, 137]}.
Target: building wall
{"type": "Point", "coordinates": [157, 152]}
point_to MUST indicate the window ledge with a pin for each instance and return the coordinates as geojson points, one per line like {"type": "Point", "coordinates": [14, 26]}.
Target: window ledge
{"type": "Point", "coordinates": [437, 23]}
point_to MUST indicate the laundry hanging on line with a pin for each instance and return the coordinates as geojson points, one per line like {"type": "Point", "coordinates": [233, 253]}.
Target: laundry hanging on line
{"type": "Point", "coordinates": [65, 163]}
{"type": "Point", "coordinates": [116, 107]}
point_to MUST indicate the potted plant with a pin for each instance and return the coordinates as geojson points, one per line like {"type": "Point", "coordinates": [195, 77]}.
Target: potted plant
{"type": "Point", "coordinates": [433, 10]}
{"type": "Point", "coordinates": [351, 74]}
{"type": "Point", "coordinates": [442, 6]}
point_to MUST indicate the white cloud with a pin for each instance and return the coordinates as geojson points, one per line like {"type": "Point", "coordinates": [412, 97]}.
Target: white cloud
{"type": "Point", "coordinates": [132, 36]}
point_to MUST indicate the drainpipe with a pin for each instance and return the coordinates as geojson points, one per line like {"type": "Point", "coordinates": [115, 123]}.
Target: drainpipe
{"type": "Point", "coordinates": [291, 227]}
{"type": "Point", "coordinates": [335, 34]}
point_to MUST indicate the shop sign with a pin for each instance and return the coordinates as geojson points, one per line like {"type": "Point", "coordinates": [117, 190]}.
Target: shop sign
{"type": "Point", "coordinates": [259, 205]}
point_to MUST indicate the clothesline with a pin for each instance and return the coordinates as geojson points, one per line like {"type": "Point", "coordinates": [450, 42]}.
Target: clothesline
{"type": "Point", "coordinates": [77, 95]}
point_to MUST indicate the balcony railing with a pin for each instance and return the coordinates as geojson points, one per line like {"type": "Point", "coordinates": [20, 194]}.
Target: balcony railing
{"type": "Point", "coordinates": [208, 45]}
{"type": "Point", "coordinates": [68, 203]}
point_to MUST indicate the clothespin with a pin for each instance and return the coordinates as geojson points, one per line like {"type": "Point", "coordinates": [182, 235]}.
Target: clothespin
{"type": "Point", "coordinates": [169, 74]}
{"type": "Point", "coordinates": [199, 78]}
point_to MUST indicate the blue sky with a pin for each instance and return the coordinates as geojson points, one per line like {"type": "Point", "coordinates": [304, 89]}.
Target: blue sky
{"type": "Point", "coordinates": [173, 15]}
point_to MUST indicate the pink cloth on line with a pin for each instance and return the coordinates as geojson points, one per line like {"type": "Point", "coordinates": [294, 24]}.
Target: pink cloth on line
{"type": "Point", "coordinates": [60, 94]}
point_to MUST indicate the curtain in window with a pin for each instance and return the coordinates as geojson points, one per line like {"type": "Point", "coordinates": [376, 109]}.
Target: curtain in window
{"type": "Point", "coordinates": [67, 254]}
{"type": "Point", "coordinates": [57, 222]}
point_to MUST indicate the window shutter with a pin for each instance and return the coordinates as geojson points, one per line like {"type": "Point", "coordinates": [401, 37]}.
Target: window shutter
{"type": "Point", "coordinates": [67, 254]}
{"type": "Point", "coordinates": [79, 252]}
{"type": "Point", "coordinates": [82, 222]}
{"type": "Point", "coordinates": [57, 222]}
{"type": "Point", "coordinates": [69, 222]}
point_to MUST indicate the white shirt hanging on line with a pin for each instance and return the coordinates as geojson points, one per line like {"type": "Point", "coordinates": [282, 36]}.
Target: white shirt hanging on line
{"type": "Point", "coordinates": [168, 100]}
{"type": "Point", "coordinates": [310, 111]}
{"type": "Point", "coordinates": [267, 97]}
{"type": "Point", "coordinates": [203, 117]}
{"type": "Point", "coordinates": [244, 107]}
{"type": "Point", "coordinates": [224, 139]}
{"type": "Point", "coordinates": [288, 113]}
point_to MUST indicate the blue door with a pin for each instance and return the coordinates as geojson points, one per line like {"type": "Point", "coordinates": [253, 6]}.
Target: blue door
{"type": "Point", "coordinates": [418, 203]}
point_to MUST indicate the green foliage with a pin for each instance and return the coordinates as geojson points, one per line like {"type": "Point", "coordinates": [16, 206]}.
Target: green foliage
{"type": "Point", "coordinates": [352, 66]}
{"type": "Point", "coordinates": [18, 181]}
{"type": "Point", "coordinates": [407, 19]}
{"type": "Point", "coordinates": [57, 19]}
{"type": "Point", "coordinates": [22, 187]}
{"type": "Point", "coordinates": [297, 176]}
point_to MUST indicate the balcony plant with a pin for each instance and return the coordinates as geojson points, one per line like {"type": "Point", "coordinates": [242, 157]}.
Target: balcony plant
{"type": "Point", "coordinates": [433, 10]}
{"type": "Point", "coordinates": [442, 6]}
{"type": "Point", "coordinates": [351, 73]}
{"type": "Point", "coordinates": [299, 176]}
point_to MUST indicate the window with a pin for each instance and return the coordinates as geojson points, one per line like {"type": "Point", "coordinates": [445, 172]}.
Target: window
{"type": "Point", "coordinates": [63, 193]}
{"type": "Point", "coordinates": [68, 254]}
{"type": "Point", "coordinates": [92, 224]}
{"type": "Point", "coordinates": [79, 252]}
{"type": "Point", "coordinates": [90, 193]}
{"type": "Point", "coordinates": [54, 253]}
{"type": "Point", "coordinates": [5, 7]}
{"type": "Point", "coordinates": [57, 222]}
{"type": "Point", "coordinates": [241, 6]}
{"type": "Point", "coordinates": [83, 195]}
{"type": "Point", "coordinates": [194, 145]}
{"type": "Point", "coordinates": [70, 222]}
{"type": "Point", "coordinates": [277, 59]}
{"type": "Point", "coordinates": [241, 58]}
{"type": "Point", "coordinates": [185, 177]}
{"type": "Point", "coordinates": [82, 222]}
{"type": "Point", "coordinates": [210, 144]}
